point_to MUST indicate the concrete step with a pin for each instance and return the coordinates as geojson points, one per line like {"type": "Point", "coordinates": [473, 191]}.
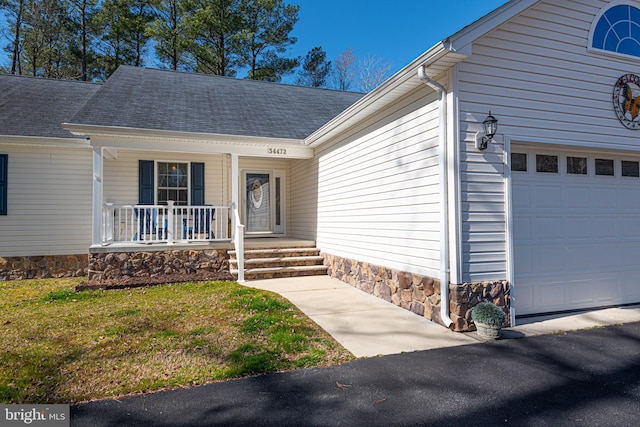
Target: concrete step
{"type": "Point", "coordinates": [276, 272]}
{"type": "Point", "coordinates": [291, 261]}
{"type": "Point", "coordinates": [277, 252]}
{"type": "Point", "coordinates": [262, 243]}
{"type": "Point", "coordinates": [266, 263]}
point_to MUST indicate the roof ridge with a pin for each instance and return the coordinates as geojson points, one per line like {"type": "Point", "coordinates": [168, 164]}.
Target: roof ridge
{"type": "Point", "coordinates": [234, 79]}
{"type": "Point", "coordinates": [48, 79]}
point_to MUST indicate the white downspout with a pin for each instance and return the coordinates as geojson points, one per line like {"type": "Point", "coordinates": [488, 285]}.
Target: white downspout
{"type": "Point", "coordinates": [444, 210]}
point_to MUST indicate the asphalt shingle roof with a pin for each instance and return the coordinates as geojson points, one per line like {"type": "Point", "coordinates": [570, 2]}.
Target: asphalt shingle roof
{"type": "Point", "coordinates": [32, 106]}
{"type": "Point", "coordinates": [175, 101]}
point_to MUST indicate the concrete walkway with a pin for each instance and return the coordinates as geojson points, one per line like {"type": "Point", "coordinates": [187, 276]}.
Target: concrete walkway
{"type": "Point", "coordinates": [365, 325]}
{"type": "Point", "coordinates": [368, 326]}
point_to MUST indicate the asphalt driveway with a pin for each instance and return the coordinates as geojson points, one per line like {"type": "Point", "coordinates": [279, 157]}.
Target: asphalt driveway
{"type": "Point", "coordinates": [584, 378]}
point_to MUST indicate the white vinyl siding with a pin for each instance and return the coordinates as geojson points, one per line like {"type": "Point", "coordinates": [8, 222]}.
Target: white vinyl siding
{"type": "Point", "coordinates": [483, 214]}
{"type": "Point", "coordinates": [536, 77]}
{"type": "Point", "coordinates": [49, 193]}
{"type": "Point", "coordinates": [303, 218]}
{"type": "Point", "coordinates": [121, 175]}
{"type": "Point", "coordinates": [375, 192]}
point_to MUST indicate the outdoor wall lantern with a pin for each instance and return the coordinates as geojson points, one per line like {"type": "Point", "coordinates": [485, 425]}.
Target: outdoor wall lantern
{"type": "Point", "coordinates": [490, 127]}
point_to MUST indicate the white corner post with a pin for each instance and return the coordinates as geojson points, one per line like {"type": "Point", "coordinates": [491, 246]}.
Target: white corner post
{"type": "Point", "coordinates": [508, 190]}
{"type": "Point", "coordinates": [236, 225]}
{"type": "Point", "coordinates": [96, 233]}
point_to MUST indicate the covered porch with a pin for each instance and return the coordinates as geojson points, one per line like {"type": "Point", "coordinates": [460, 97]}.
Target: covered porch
{"type": "Point", "coordinates": [152, 195]}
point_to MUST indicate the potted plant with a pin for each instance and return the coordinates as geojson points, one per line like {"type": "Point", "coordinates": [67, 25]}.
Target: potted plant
{"type": "Point", "coordinates": [489, 319]}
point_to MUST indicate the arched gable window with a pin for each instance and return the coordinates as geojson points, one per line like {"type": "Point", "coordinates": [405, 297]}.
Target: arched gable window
{"type": "Point", "coordinates": [617, 29]}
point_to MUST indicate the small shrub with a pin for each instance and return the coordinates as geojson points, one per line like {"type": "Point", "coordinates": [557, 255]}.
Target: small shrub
{"type": "Point", "coordinates": [489, 314]}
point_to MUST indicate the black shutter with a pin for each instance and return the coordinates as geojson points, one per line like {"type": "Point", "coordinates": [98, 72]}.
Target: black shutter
{"type": "Point", "coordinates": [145, 182]}
{"type": "Point", "coordinates": [4, 176]}
{"type": "Point", "coordinates": [197, 184]}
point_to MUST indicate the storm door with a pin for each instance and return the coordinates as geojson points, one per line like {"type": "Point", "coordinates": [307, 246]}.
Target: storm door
{"type": "Point", "coordinates": [264, 202]}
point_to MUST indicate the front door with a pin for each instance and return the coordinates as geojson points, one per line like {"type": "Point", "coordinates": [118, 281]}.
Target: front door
{"type": "Point", "coordinates": [263, 200]}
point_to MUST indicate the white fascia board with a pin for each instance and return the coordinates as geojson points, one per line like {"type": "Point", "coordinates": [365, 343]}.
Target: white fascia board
{"type": "Point", "coordinates": [386, 93]}
{"type": "Point", "coordinates": [191, 142]}
{"type": "Point", "coordinates": [40, 141]}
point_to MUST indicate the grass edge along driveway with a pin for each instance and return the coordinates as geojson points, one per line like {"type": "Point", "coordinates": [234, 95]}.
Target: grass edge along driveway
{"type": "Point", "coordinates": [62, 346]}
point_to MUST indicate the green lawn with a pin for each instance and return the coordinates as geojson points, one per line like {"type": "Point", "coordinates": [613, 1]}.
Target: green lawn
{"type": "Point", "coordinates": [59, 346]}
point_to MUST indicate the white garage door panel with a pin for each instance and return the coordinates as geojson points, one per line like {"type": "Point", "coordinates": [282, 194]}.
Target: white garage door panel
{"type": "Point", "coordinates": [567, 293]}
{"type": "Point", "coordinates": [630, 256]}
{"type": "Point", "coordinates": [551, 259]}
{"type": "Point", "coordinates": [602, 226]}
{"type": "Point", "coordinates": [548, 227]}
{"type": "Point", "coordinates": [588, 258]}
{"type": "Point", "coordinates": [577, 197]}
{"type": "Point", "coordinates": [629, 199]}
{"type": "Point", "coordinates": [575, 227]}
{"type": "Point", "coordinates": [576, 237]}
{"type": "Point", "coordinates": [523, 261]}
{"type": "Point", "coordinates": [521, 196]}
{"type": "Point", "coordinates": [522, 228]}
{"type": "Point", "coordinates": [547, 196]}
{"type": "Point", "coordinates": [603, 198]}
{"type": "Point", "coordinates": [629, 227]}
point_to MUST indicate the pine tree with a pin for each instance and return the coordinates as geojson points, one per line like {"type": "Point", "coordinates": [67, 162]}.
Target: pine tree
{"type": "Point", "coordinates": [213, 27]}
{"type": "Point", "coordinates": [265, 36]}
{"type": "Point", "coordinates": [168, 32]}
{"type": "Point", "coordinates": [315, 68]}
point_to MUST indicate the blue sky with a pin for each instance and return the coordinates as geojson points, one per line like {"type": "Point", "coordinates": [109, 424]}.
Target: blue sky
{"type": "Point", "coordinates": [396, 31]}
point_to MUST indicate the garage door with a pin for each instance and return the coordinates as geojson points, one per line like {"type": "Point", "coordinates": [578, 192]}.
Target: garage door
{"type": "Point", "coordinates": [576, 230]}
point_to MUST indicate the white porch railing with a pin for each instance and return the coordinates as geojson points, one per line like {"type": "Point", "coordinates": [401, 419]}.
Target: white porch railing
{"type": "Point", "coordinates": [164, 223]}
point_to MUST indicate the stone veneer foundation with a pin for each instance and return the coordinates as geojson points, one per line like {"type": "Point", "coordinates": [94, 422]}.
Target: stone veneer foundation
{"type": "Point", "coordinates": [187, 263]}
{"type": "Point", "coordinates": [112, 266]}
{"type": "Point", "coordinates": [462, 298]}
{"type": "Point", "coordinates": [419, 294]}
{"type": "Point", "coordinates": [41, 267]}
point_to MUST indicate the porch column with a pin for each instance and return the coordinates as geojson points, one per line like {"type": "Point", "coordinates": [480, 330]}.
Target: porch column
{"type": "Point", "coordinates": [96, 235]}
{"type": "Point", "coordinates": [235, 185]}
{"type": "Point", "coordinates": [237, 228]}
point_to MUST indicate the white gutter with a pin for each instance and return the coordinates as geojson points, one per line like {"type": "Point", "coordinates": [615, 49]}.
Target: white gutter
{"type": "Point", "coordinates": [45, 141]}
{"type": "Point", "coordinates": [115, 131]}
{"type": "Point", "coordinates": [444, 181]}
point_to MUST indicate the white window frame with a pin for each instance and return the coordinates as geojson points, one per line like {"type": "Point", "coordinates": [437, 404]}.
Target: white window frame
{"type": "Point", "coordinates": [594, 23]}
{"type": "Point", "coordinates": [157, 184]}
